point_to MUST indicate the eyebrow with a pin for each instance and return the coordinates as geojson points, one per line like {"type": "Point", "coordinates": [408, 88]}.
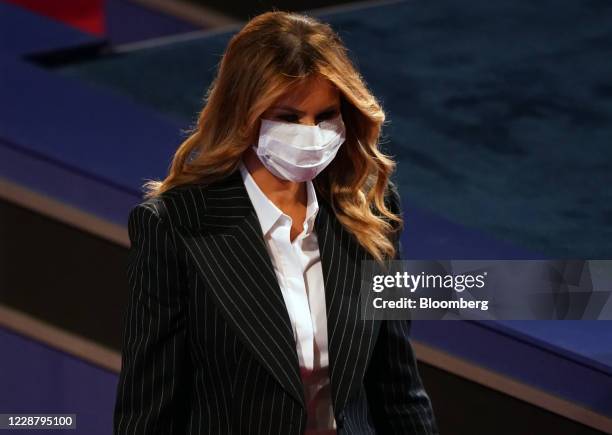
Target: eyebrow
{"type": "Point", "coordinates": [299, 112]}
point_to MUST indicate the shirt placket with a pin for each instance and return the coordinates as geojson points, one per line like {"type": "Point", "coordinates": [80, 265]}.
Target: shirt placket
{"type": "Point", "coordinates": [296, 290]}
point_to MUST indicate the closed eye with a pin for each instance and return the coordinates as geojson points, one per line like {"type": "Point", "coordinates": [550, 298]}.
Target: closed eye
{"type": "Point", "coordinates": [288, 118]}
{"type": "Point", "coordinates": [322, 117]}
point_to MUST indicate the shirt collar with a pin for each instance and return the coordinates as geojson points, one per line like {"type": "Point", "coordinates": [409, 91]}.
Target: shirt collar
{"type": "Point", "coordinates": [267, 212]}
{"type": "Point", "coordinates": [313, 206]}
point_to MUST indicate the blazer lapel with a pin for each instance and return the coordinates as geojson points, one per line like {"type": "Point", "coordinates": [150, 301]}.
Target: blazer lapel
{"type": "Point", "coordinates": [350, 339]}
{"type": "Point", "coordinates": [230, 253]}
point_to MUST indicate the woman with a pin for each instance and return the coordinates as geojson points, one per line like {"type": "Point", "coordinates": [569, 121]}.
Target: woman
{"type": "Point", "coordinates": [244, 309]}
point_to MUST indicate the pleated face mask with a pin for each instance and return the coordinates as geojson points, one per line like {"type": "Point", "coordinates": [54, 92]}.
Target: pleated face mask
{"type": "Point", "coordinates": [299, 152]}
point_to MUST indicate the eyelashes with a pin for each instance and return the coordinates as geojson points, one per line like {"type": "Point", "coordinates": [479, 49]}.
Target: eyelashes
{"type": "Point", "coordinates": [294, 118]}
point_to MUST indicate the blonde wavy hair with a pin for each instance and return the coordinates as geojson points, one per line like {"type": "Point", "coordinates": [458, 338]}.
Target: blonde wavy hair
{"type": "Point", "coordinates": [272, 53]}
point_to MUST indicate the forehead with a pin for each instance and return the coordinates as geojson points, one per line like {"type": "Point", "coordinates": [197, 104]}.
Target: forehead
{"type": "Point", "coordinates": [311, 92]}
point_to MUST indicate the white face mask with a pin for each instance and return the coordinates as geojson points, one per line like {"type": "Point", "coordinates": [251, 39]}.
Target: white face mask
{"type": "Point", "coordinates": [299, 152]}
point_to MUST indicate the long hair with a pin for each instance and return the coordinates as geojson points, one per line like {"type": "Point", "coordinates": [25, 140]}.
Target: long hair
{"type": "Point", "coordinates": [272, 53]}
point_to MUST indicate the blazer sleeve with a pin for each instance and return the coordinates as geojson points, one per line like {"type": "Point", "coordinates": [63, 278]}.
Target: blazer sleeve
{"type": "Point", "coordinates": [398, 400]}
{"type": "Point", "coordinates": [151, 391]}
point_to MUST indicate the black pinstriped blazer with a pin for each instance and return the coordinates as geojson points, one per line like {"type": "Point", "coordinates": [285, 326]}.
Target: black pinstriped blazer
{"type": "Point", "coordinates": [207, 344]}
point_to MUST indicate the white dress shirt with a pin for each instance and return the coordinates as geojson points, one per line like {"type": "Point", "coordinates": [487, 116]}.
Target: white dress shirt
{"type": "Point", "coordinates": [297, 265]}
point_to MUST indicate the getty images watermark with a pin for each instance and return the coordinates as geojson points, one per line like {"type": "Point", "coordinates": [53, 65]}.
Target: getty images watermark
{"type": "Point", "coordinates": [487, 290]}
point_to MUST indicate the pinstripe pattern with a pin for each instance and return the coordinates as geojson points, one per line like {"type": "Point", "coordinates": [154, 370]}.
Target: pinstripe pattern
{"type": "Point", "coordinates": [207, 342]}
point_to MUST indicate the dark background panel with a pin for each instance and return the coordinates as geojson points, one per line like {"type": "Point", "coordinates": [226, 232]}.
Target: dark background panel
{"type": "Point", "coordinates": [465, 407]}
{"type": "Point", "coordinates": [245, 10]}
{"type": "Point", "coordinates": [59, 274]}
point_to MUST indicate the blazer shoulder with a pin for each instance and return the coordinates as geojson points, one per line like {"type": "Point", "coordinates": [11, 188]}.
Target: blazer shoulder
{"type": "Point", "coordinates": [149, 206]}
{"type": "Point", "coordinates": [195, 205]}
{"type": "Point", "coordinates": [176, 206]}
{"type": "Point", "coordinates": [159, 214]}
